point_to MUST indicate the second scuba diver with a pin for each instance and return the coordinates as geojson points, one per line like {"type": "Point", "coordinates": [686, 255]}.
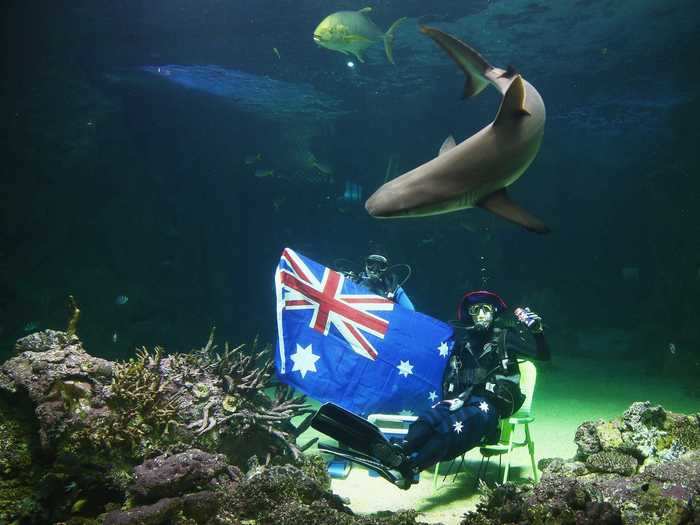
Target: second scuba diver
{"type": "Point", "coordinates": [381, 281]}
{"type": "Point", "coordinates": [480, 386]}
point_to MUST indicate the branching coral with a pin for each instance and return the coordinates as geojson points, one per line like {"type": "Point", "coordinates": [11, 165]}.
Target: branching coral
{"type": "Point", "coordinates": [142, 408]}
{"type": "Point", "coordinates": [246, 408]}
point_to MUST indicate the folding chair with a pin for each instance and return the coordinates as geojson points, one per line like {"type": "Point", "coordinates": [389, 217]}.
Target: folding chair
{"type": "Point", "coordinates": [506, 442]}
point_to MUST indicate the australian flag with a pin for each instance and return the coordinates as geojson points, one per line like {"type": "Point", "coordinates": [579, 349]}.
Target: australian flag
{"type": "Point", "coordinates": [339, 342]}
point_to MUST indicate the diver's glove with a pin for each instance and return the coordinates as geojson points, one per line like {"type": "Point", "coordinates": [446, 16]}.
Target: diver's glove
{"type": "Point", "coordinates": [529, 319]}
{"type": "Point", "coordinates": [455, 404]}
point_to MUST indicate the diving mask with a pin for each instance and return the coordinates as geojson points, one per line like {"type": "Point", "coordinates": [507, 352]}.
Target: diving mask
{"type": "Point", "coordinates": [482, 315]}
{"type": "Point", "coordinates": [375, 266]}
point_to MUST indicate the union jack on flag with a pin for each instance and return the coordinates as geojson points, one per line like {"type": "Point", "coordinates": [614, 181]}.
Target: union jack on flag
{"type": "Point", "coordinates": [339, 342]}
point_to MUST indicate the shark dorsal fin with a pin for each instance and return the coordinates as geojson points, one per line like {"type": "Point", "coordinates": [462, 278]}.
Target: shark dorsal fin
{"type": "Point", "coordinates": [500, 203]}
{"type": "Point", "coordinates": [513, 103]}
{"type": "Point", "coordinates": [447, 145]}
{"type": "Point", "coordinates": [365, 10]}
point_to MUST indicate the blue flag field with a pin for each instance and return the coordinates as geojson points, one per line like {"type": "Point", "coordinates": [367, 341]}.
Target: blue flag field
{"type": "Point", "coordinates": [338, 342]}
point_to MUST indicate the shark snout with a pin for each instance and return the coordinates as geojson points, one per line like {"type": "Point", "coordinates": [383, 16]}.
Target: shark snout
{"type": "Point", "coordinates": [376, 205]}
{"type": "Point", "coordinates": [371, 206]}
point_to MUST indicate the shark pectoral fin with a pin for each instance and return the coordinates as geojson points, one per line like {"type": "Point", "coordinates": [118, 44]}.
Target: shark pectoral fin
{"type": "Point", "coordinates": [500, 203]}
{"type": "Point", "coordinates": [513, 103]}
{"type": "Point", "coordinates": [447, 145]}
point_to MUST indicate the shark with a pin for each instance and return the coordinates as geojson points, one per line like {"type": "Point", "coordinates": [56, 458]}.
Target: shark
{"type": "Point", "coordinates": [477, 171]}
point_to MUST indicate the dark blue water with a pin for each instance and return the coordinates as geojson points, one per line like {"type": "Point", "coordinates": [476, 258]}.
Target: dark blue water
{"type": "Point", "coordinates": [129, 124]}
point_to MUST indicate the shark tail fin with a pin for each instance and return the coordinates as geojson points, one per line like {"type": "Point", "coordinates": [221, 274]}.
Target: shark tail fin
{"type": "Point", "coordinates": [389, 39]}
{"type": "Point", "coordinates": [500, 203]}
{"type": "Point", "coordinates": [472, 64]}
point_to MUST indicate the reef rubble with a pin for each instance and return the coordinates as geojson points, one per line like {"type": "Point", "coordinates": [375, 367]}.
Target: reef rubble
{"type": "Point", "coordinates": [207, 437]}
{"type": "Point", "coordinates": [203, 437]}
{"type": "Point", "coordinates": [641, 468]}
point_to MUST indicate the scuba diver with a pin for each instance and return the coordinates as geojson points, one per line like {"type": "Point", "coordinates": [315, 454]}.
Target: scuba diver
{"type": "Point", "coordinates": [378, 277]}
{"type": "Point", "coordinates": [480, 386]}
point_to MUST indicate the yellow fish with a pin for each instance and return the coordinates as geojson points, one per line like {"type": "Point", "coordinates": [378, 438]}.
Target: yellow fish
{"type": "Point", "coordinates": [353, 32]}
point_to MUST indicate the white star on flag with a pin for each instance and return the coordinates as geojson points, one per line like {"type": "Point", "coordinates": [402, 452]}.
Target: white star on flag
{"type": "Point", "coordinates": [443, 349]}
{"type": "Point", "coordinates": [304, 360]}
{"type": "Point", "coordinates": [484, 406]}
{"type": "Point", "coordinates": [405, 368]}
{"type": "Point", "coordinates": [458, 427]}
{"type": "Point", "coordinates": [432, 396]}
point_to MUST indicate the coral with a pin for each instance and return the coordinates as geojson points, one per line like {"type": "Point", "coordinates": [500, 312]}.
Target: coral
{"type": "Point", "coordinates": [285, 495]}
{"type": "Point", "coordinates": [177, 488]}
{"type": "Point", "coordinates": [200, 391]}
{"type": "Point", "coordinates": [556, 500]}
{"type": "Point", "coordinates": [97, 422]}
{"type": "Point", "coordinates": [561, 467]}
{"type": "Point", "coordinates": [682, 430]}
{"type": "Point", "coordinates": [171, 475]}
{"type": "Point", "coordinates": [643, 413]}
{"type": "Point", "coordinates": [16, 484]}
{"type": "Point", "coordinates": [142, 409]}
{"type": "Point", "coordinates": [672, 453]}
{"type": "Point", "coordinates": [613, 462]}
{"type": "Point", "coordinates": [606, 488]}
{"type": "Point", "coordinates": [609, 435]}
{"type": "Point", "coordinates": [314, 466]}
{"type": "Point", "coordinates": [243, 416]}
{"type": "Point", "coordinates": [74, 317]}
{"type": "Point", "coordinates": [586, 439]}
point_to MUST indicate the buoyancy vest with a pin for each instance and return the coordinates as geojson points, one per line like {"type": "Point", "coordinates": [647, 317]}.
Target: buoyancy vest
{"type": "Point", "coordinates": [484, 365]}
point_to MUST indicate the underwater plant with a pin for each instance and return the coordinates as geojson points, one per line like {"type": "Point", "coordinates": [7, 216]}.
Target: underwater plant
{"type": "Point", "coordinates": [142, 408]}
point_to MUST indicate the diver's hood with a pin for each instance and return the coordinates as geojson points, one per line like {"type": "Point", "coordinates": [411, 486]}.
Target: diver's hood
{"type": "Point", "coordinates": [479, 296]}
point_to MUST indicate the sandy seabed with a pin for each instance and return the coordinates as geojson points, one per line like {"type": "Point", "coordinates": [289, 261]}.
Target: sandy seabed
{"type": "Point", "coordinates": [569, 390]}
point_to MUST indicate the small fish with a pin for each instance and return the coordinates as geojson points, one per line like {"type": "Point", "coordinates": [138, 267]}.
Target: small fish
{"type": "Point", "coordinates": [353, 32]}
{"type": "Point", "coordinates": [672, 348]}
{"type": "Point", "coordinates": [264, 172]}
{"type": "Point", "coordinates": [121, 300]}
{"type": "Point", "coordinates": [277, 53]}
{"type": "Point", "coordinates": [252, 159]}
{"type": "Point", "coordinates": [115, 337]}
{"type": "Point", "coordinates": [31, 326]}
{"type": "Point", "coordinates": [312, 162]}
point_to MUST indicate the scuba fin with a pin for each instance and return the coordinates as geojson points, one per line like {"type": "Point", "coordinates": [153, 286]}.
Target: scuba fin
{"type": "Point", "coordinates": [392, 476]}
{"type": "Point", "coordinates": [369, 446]}
{"type": "Point", "coordinates": [360, 459]}
{"type": "Point", "coordinates": [347, 428]}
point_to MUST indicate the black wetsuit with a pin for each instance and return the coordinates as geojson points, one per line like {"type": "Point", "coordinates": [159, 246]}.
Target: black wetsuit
{"type": "Point", "coordinates": [483, 372]}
